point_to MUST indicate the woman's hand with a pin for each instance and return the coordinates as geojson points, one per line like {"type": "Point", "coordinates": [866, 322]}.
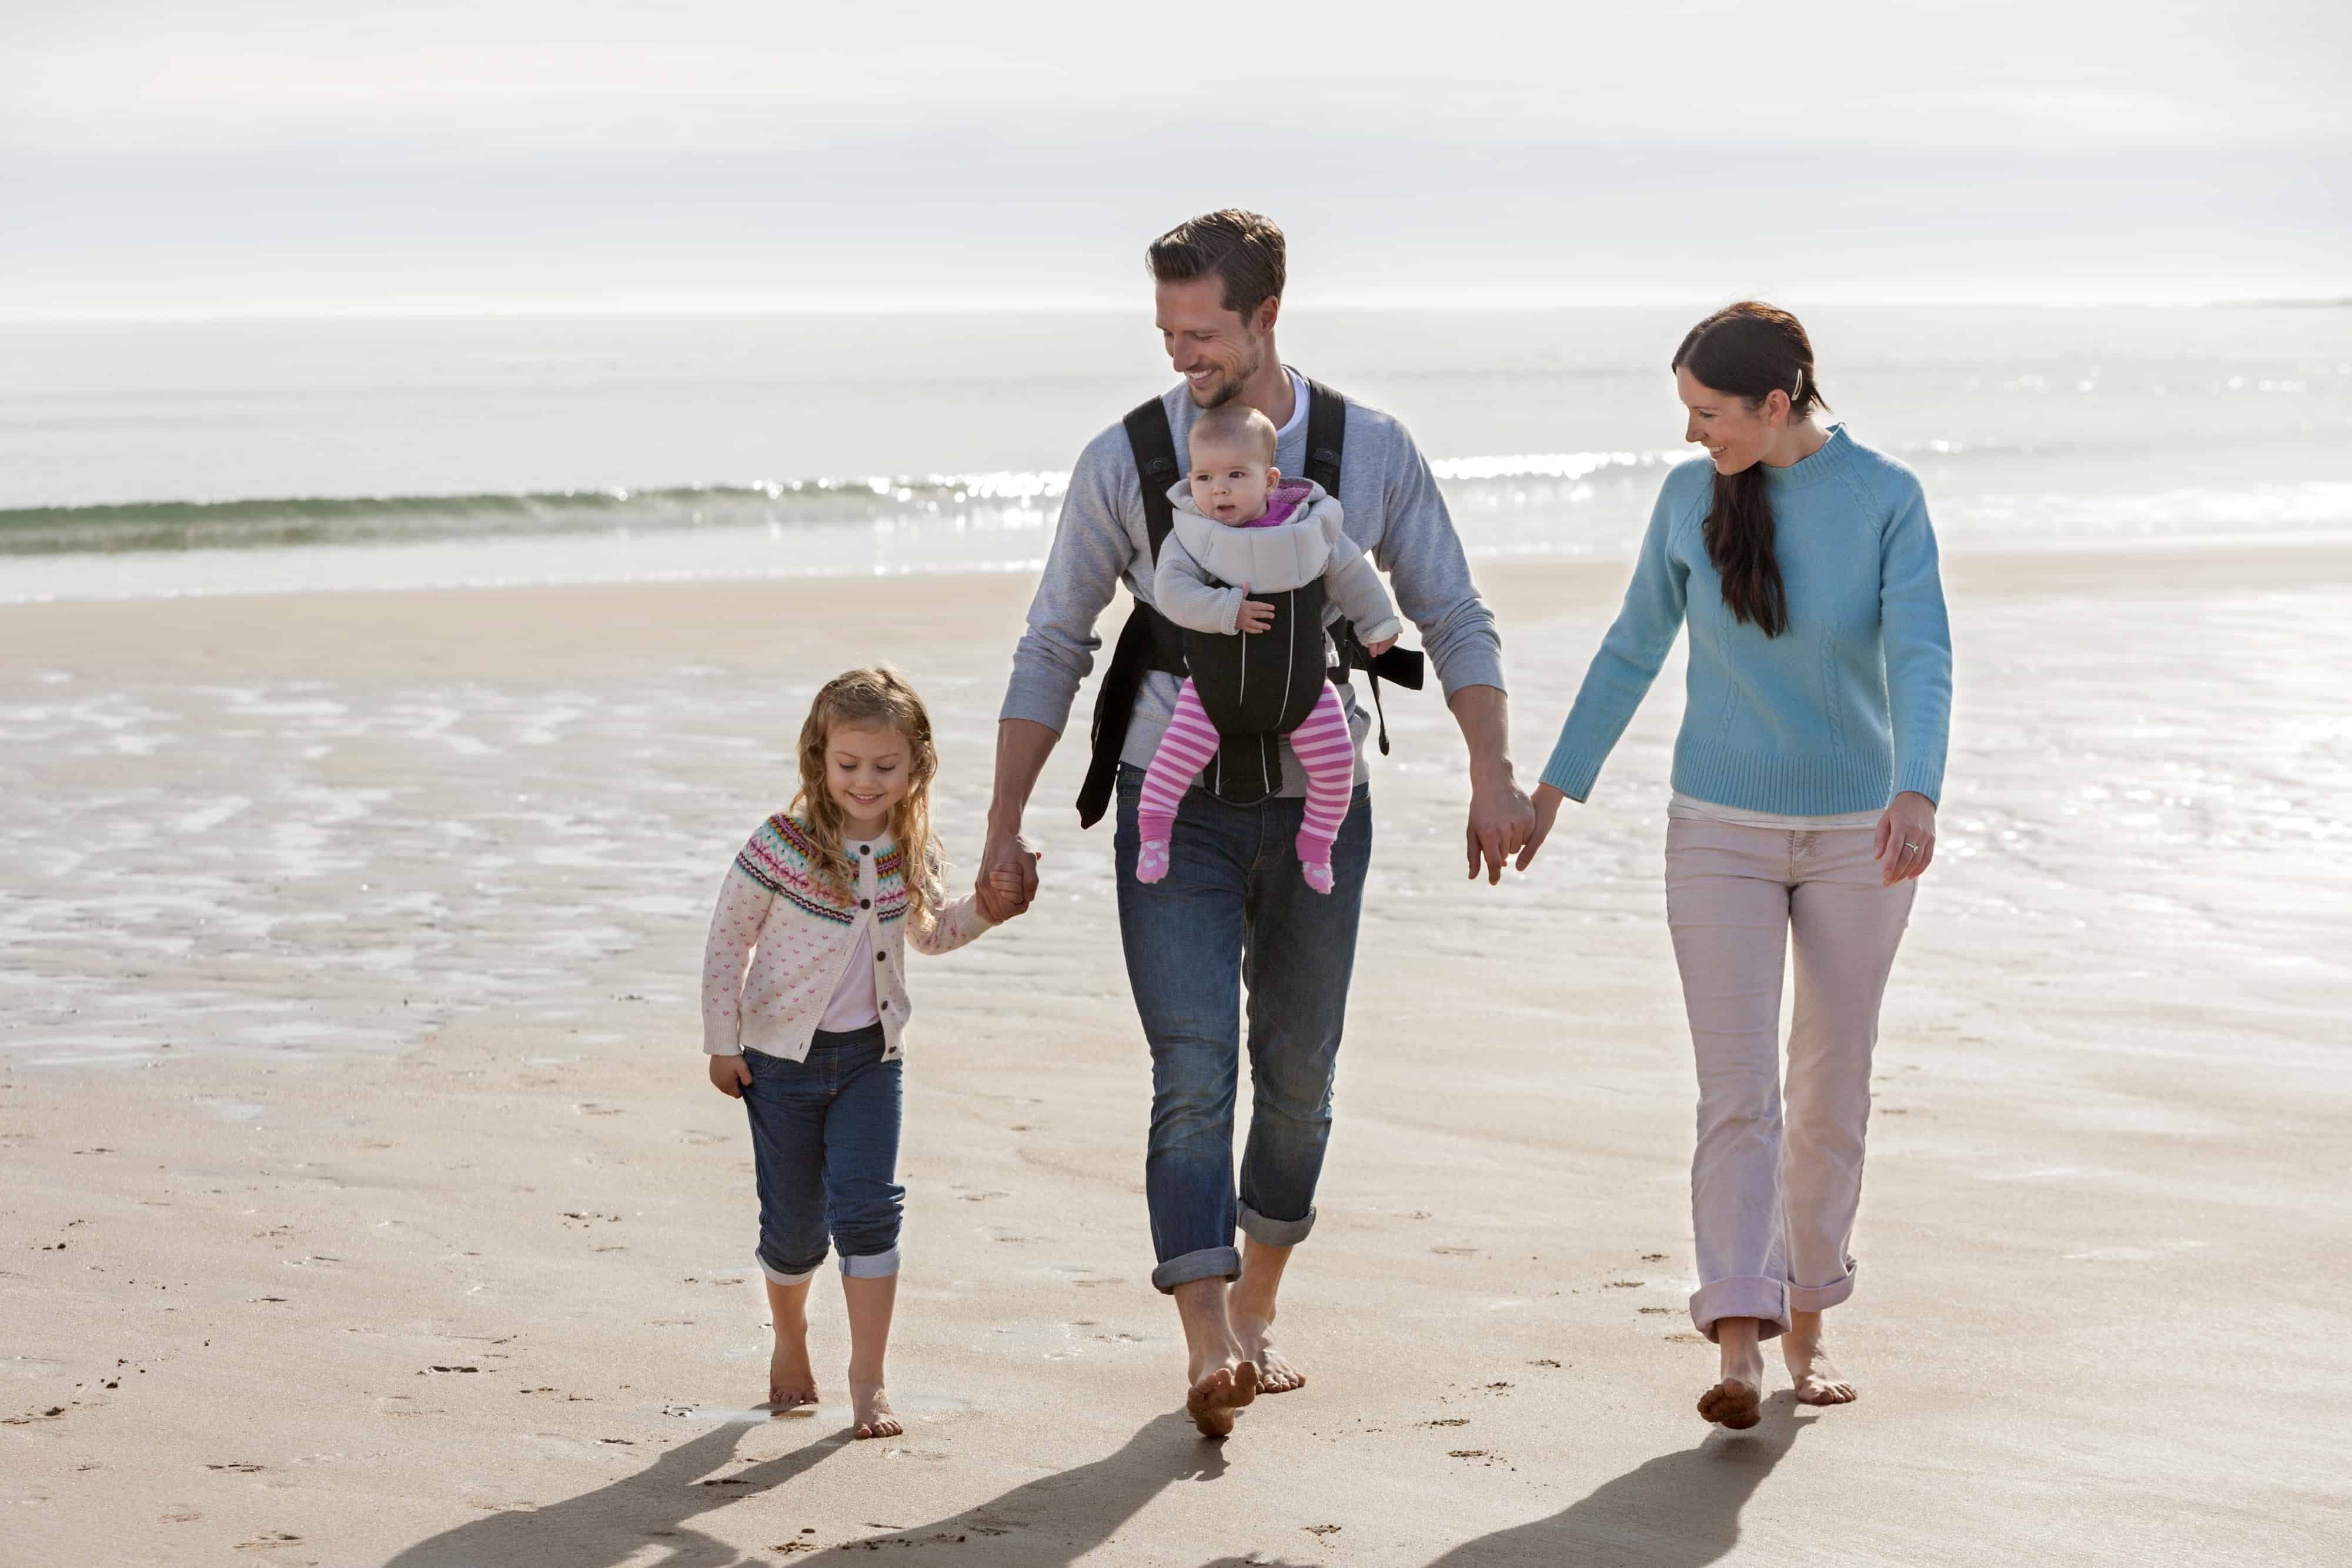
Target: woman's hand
{"type": "Point", "coordinates": [1546, 800]}
{"type": "Point", "coordinates": [1254, 615]}
{"type": "Point", "coordinates": [731, 1075]}
{"type": "Point", "coordinates": [1906, 837]}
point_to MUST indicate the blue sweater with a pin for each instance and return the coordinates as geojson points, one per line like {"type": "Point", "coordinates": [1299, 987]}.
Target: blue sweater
{"type": "Point", "coordinates": [1848, 707]}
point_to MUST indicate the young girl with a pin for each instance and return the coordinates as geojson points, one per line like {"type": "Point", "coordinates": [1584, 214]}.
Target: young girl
{"type": "Point", "coordinates": [803, 1009]}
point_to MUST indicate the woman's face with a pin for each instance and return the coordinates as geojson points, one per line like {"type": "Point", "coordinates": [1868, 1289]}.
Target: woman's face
{"type": "Point", "coordinates": [1736, 432]}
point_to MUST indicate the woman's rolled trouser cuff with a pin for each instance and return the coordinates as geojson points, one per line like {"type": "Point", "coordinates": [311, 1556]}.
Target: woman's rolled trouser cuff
{"type": "Point", "coordinates": [1274, 1232]}
{"type": "Point", "coordinates": [779, 1277]}
{"type": "Point", "coordinates": [872, 1265]}
{"type": "Point", "coordinates": [1766, 1300]}
{"type": "Point", "coordinates": [1208, 1263]}
{"type": "Point", "coordinates": [1821, 1298]}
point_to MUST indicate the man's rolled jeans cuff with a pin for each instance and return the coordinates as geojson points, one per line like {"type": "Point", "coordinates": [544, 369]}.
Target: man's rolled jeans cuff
{"type": "Point", "coordinates": [1766, 1300]}
{"type": "Point", "coordinates": [778, 1277]}
{"type": "Point", "coordinates": [1821, 1298]}
{"type": "Point", "coordinates": [1208, 1263]}
{"type": "Point", "coordinates": [872, 1266]}
{"type": "Point", "coordinates": [1274, 1232]}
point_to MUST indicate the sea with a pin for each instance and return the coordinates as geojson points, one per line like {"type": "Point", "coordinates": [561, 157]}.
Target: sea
{"type": "Point", "coordinates": [147, 459]}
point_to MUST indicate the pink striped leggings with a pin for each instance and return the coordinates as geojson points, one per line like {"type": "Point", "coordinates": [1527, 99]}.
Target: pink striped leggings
{"type": "Point", "coordinates": [1326, 751]}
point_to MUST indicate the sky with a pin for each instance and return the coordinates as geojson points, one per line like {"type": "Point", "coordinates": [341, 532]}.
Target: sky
{"type": "Point", "coordinates": [178, 158]}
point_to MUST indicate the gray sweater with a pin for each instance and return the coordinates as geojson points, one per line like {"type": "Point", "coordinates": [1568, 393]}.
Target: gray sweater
{"type": "Point", "coordinates": [1394, 514]}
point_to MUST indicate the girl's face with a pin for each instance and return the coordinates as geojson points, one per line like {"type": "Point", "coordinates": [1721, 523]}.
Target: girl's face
{"type": "Point", "coordinates": [1737, 433]}
{"type": "Point", "coordinates": [865, 772]}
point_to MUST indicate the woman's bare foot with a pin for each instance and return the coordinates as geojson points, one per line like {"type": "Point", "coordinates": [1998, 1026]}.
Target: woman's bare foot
{"type": "Point", "coordinates": [1735, 1400]}
{"type": "Point", "coordinates": [792, 1382]}
{"type": "Point", "coordinates": [1276, 1373]}
{"type": "Point", "coordinates": [872, 1410]}
{"type": "Point", "coordinates": [1218, 1394]}
{"type": "Point", "coordinates": [1818, 1382]}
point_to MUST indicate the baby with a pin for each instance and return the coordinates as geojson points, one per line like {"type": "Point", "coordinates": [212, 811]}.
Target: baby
{"type": "Point", "coordinates": [1239, 531]}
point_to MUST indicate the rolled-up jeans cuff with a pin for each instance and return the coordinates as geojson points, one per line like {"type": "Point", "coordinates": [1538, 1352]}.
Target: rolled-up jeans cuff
{"type": "Point", "coordinates": [1821, 1298]}
{"type": "Point", "coordinates": [778, 1277]}
{"type": "Point", "coordinates": [872, 1265]}
{"type": "Point", "coordinates": [1274, 1232]}
{"type": "Point", "coordinates": [1208, 1263]}
{"type": "Point", "coordinates": [1766, 1300]}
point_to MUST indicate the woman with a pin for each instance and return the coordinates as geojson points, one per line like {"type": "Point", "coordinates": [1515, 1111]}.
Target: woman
{"type": "Point", "coordinates": [1805, 782]}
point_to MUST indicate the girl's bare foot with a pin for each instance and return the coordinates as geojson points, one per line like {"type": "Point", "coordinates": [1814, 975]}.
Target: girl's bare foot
{"type": "Point", "coordinates": [1737, 1399]}
{"type": "Point", "coordinates": [1818, 1382]}
{"type": "Point", "coordinates": [792, 1383]}
{"type": "Point", "coordinates": [872, 1410]}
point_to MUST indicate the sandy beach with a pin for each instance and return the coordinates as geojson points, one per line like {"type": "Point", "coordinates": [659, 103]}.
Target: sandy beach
{"type": "Point", "coordinates": [366, 1203]}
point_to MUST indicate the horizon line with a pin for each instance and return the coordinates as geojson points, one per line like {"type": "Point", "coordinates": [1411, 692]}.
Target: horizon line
{"type": "Point", "coordinates": [526, 308]}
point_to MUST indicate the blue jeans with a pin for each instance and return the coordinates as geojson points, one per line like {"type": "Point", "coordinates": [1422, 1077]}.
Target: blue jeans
{"type": "Point", "coordinates": [1235, 909]}
{"type": "Point", "coordinates": [824, 1143]}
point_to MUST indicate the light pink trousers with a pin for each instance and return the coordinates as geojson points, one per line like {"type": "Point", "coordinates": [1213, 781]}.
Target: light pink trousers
{"type": "Point", "coordinates": [1774, 1190]}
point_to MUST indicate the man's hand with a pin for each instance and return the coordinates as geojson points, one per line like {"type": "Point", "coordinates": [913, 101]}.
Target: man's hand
{"type": "Point", "coordinates": [731, 1075]}
{"type": "Point", "coordinates": [1500, 821]}
{"type": "Point", "coordinates": [1007, 883]}
{"type": "Point", "coordinates": [1254, 615]}
{"type": "Point", "coordinates": [1012, 893]}
{"type": "Point", "coordinates": [1547, 808]}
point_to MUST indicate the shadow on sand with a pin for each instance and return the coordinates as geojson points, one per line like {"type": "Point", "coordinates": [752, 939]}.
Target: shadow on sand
{"type": "Point", "coordinates": [1054, 1520]}
{"type": "Point", "coordinates": [613, 1524]}
{"type": "Point", "coordinates": [1678, 1510]}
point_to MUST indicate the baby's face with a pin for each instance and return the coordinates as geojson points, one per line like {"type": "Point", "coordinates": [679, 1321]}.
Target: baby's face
{"type": "Point", "coordinates": [1229, 485]}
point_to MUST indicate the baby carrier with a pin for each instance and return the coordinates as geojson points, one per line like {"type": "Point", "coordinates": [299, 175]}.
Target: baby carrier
{"type": "Point", "coordinates": [1256, 687]}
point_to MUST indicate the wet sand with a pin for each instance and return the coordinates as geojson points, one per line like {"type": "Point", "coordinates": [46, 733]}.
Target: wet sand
{"type": "Point", "coordinates": [366, 1203]}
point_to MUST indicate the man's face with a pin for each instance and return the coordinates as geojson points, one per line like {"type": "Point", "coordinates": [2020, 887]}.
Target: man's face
{"type": "Point", "coordinates": [1213, 348]}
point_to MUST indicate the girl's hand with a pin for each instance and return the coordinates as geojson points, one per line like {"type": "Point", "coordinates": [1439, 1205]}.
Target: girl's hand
{"type": "Point", "coordinates": [1256, 616]}
{"type": "Point", "coordinates": [1010, 894]}
{"type": "Point", "coordinates": [1906, 837]}
{"type": "Point", "coordinates": [1546, 800]}
{"type": "Point", "coordinates": [1382, 647]}
{"type": "Point", "coordinates": [731, 1075]}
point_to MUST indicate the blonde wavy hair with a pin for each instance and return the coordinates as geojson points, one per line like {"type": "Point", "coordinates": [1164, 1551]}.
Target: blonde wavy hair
{"type": "Point", "coordinates": [874, 698]}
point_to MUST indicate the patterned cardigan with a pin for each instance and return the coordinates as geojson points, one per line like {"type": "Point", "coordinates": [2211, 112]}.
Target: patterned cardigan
{"type": "Point", "coordinates": [781, 939]}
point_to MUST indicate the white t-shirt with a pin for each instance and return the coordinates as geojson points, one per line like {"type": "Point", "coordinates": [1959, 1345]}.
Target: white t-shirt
{"type": "Point", "coordinates": [854, 1005]}
{"type": "Point", "coordinates": [1691, 807]}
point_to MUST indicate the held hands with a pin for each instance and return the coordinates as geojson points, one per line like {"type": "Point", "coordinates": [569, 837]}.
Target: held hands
{"type": "Point", "coordinates": [1906, 843]}
{"type": "Point", "coordinates": [730, 1075]}
{"type": "Point", "coordinates": [1546, 804]}
{"type": "Point", "coordinates": [1011, 891]}
{"type": "Point", "coordinates": [1500, 823]}
{"type": "Point", "coordinates": [1256, 616]}
{"type": "Point", "coordinates": [1007, 883]}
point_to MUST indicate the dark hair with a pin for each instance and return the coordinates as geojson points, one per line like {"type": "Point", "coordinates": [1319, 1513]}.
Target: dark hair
{"type": "Point", "coordinates": [1242, 249]}
{"type": "Point", "coordinates": [1750, 350]}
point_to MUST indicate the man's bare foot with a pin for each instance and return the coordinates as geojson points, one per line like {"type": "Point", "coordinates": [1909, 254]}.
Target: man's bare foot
{"type": "Point", "coordinates": [1220, 1393]}
{"type": "Point", "coordinates": [792, 1383]}
{"type": "Point", "coordinates": [1275, 1372]}
{"type": "Point", "coordinates": [873, 1412]}
{"type": "Point", "coordinates": [1818, 1382]}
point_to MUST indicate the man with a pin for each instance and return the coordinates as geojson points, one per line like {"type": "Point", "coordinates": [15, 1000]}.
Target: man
{"type": "Point", "coordinates": [1234, 906]}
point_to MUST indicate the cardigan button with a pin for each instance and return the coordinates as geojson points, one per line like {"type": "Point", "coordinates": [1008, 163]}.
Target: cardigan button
{"type": "Point", "coordinates": [881, 957]}
{"type": "Point", "coordinates": [866, 849]}
{"type": "Point", "coordinates": [864, 903]}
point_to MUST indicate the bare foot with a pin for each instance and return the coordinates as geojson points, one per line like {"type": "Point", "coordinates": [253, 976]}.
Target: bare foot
{"type": "Point", "coordinates": [872, 1409]}
{"type": "Point", "coordinates": [1218, 1395]}
{"type": "Point", "coordinates": [1735, 1401]}
{"type": "Point", "coordinates": [1276, 1373]}
{"type": "Point", "coordinates": [1732, 1403]}
{"type": "Point", "coordinates": [1818, 1382]}
{"type": "Point", "coordinates": [792, 1383]}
